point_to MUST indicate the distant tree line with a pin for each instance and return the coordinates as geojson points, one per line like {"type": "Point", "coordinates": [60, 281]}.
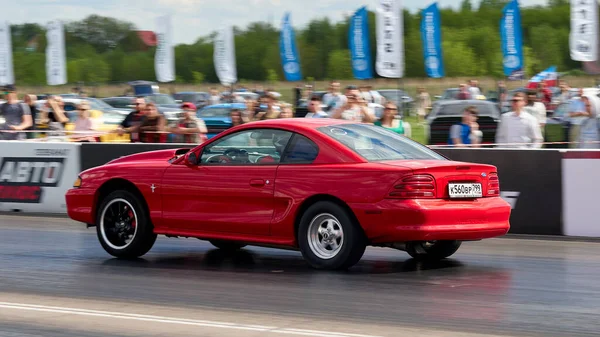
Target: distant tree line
{"type": "Point", "coordinates": [102, 49]}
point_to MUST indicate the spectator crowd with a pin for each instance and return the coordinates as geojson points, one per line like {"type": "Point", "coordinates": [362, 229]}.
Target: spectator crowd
{"type": "Point", "coordinates": [521, 125]}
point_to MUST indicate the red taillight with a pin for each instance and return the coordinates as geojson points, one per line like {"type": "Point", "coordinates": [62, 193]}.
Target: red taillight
{"type": "Point", "coordinates": [493, 187]}
{"type": "Point", "coordinates": [414, 187]}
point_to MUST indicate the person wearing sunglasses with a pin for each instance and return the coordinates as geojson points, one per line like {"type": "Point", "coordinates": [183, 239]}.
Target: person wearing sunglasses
{"type": "Point", "coordinates": [518, 128]}
{"type": "Point", "coordinates": [388, 119]}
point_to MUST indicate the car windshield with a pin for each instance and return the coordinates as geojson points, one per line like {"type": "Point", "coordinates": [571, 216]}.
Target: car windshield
{"type": "Point", "coordinates": [393, 95]}
{"type": "Point", "coordinates": [161, 99]}
{"type": "Point", "coordinates": [375, 143]}
{"type": "Point", "coordinates": [97, 104]}
{"type": "Point", "coordinates": [214, 112]}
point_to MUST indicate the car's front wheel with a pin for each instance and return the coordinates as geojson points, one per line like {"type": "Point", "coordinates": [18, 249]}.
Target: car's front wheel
{"type": "Point", "coordinates": [432, 250]}
{"type": "Point", "coordinates": [123, 225]}
{"type": "Point", "coordinates": [329, 238]}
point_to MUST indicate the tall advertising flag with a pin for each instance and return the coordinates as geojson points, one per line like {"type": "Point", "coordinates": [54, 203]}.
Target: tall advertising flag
{"type": "Point", "coordinates": [56, 55]}
{"type": "Point", "coordinates": [164, 59]}
{"type": "Point", "coordinates": [7, 75]}
{"type": "Point", "coordinates": [224, 56]}
{"type": "Point", "coordinates": [512, 40]}
{"type": "Point", "coordinates": [583, 39]}
{"type": "Point", "coordinates": [289, 52]}
{"type": "Point", "coordinates": [390, 39]}
{"type": "Point", "coordinates": [431, 38]}
{"type": "Point", "coordinates": [360, 50]}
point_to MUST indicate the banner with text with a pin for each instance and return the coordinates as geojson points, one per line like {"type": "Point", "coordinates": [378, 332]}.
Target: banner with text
{"type": "Point", "coordinates": [512, 41]}
{"type": "Point", "coordinates": [6, 62]}
{"type": "Point", "coordinates": [360, 50]}
{"type": "Point", "coordinates": [390, 39]}
{"type": "Point", "coordinates": [56, 55]}
{"type": "Point", "coordinates": [431, 38]}
{"type": "Point", "coordinates": [289, 51]}
{"type": "Point", "coordinates": [224, 56]}
{"type": "Point", "coordinates": [583, 38]}
{"type": "Point", "coordinates": [34, 177]}
{"type": "Point", "coordinates": [164, 59]}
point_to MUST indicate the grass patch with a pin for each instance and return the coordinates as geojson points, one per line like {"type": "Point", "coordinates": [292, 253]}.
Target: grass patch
{"type": "Point", "coordinates": [418, 130]}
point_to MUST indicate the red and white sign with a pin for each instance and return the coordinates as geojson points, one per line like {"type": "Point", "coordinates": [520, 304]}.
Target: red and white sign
{"type": "Point", "coordinates": [34, 177]}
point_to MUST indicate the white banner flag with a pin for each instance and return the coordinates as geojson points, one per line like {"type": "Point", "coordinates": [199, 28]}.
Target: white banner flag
{"type": "Point", "coordinates": [583, 39]}
{"type": "Point", "coordinates": [164, 59]}
{"type": "Point", "coordinates": [56, 56]}
{"type": "Point", "coordinates": [390, 39]}
{"type": "Point", "coordinates": [224, 56]}
{"type": "Point", "coordinates": [7, 75]}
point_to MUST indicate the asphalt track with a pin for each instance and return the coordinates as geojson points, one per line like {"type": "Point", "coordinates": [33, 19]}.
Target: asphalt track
{"type": "Point", "coordinates": [55, 280]}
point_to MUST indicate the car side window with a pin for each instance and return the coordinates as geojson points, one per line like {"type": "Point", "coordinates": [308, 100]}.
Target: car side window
{"type": "Point", "coordinates": [248, 147]}
{"type": "Point", "coordinates": [301, 151]}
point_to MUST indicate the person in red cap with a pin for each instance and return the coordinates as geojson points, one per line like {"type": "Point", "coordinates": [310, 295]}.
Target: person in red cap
{"type": "Point", "coordinates": [189, 129]}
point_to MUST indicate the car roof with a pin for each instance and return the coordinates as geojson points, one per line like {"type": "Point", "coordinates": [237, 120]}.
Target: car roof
{"type": "Point", "coordinates": [299, 123]}
{"type": "Point", "coordinates": [226, 105]}
{"type": "Point", "coordinates": [465, 102]}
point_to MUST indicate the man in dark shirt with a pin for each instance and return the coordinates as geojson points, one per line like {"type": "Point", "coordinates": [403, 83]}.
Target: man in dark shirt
{"type": "Point", "coordinates": [133, 120]}
{"type": "Point", "coordinates": [17, 116]}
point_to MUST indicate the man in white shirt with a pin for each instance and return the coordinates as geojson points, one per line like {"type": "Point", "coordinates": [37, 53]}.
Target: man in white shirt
{"type": "Point", "coordinates": [519, 128]}
{"type": "Point", "coordinates": [334, 98]}
{"type": "Point", "coordinates": [536, 108]}
{"type": "Point", "coordinates": [314, 109]}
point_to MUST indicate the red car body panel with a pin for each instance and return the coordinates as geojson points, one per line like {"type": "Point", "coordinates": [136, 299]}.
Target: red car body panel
{"type": "Point", "coordinates": [261, 203]}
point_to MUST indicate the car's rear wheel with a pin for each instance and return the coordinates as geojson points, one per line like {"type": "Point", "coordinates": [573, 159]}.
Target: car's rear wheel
{"type": "Point", "coordinates": [227, 245]}
{"type": "Point", "coordinates": [432, 250]}
{"type": "Point", "coordinates": [123, 225]}
{"type": "Point", "coordinates": [329, 238]}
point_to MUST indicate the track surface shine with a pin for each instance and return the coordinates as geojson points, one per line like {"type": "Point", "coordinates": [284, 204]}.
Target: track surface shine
{"type": "Point", "coordinates": [55, 280]}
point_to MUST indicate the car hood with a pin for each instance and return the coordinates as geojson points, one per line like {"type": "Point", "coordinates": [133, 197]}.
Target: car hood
{"type": "Point", "coordinates": [157, 155]}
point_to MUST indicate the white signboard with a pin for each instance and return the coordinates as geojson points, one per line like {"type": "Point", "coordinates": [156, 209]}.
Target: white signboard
{"type": "Point", "coordinates": [34, 177]}
{"type": "Point", "coordinates": [583, 38]}
{"type": "Point", "coordinates": [390, 39]}
{"type": "Point", "coordinates": [6, 62]}
{"type": "Point", "coordinates": [56, 54]}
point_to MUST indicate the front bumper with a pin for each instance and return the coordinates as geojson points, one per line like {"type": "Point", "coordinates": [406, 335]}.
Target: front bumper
{"type": "Point", "coordinates": [80, 203]}
{"type": "Point", "coordinates": [392, 221]}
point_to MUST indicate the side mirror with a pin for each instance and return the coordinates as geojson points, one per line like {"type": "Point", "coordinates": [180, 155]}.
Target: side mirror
{"type": "Point", "coordinates": [191, 159]}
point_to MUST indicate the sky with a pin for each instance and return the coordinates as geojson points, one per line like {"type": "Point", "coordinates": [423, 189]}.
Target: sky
{"type": "Point", "coordinates": [192, 19]}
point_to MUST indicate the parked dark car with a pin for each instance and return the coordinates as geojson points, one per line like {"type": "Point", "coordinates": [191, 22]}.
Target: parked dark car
{"type": "Point", "coordinates": [302, 108]}
{"type": "Point", "coordinates": [447, 113]}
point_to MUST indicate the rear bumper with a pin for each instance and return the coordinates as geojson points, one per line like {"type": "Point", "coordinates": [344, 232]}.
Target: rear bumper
{"type": "Point", "coordinates": [80, 203]}
{"type": "Point", "coordinates": [425, 220]}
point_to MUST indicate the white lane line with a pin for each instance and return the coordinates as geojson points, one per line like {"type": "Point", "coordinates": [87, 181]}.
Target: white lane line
{"type": "Point", "coordinates": [172, 320]}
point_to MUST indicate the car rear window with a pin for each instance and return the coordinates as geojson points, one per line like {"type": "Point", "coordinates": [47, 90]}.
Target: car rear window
{"type": "Point", "coordinates": [458, 109]}
{"type": "Point", "coordinates": [375, 143]}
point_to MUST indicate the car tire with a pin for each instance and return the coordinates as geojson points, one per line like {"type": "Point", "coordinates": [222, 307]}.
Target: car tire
{"type": "Point", "coordinates": [329, 238]}
{"type": "Point", "coordinates": [227, 245]}
{"type": "Point", "coordinates": [112, 225]}
{"type": "Point", "coordinates": [437, 250]}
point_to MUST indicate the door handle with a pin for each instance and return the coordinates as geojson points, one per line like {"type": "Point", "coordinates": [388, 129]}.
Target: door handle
{"type": "Point", "coordinates": [257, 182]}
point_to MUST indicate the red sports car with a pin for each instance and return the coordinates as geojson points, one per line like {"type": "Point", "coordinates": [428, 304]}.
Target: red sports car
{"type": "Point", "coordinates": [326, 187]}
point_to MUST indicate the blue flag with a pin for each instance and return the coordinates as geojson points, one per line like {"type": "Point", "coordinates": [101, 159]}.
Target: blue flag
{"type": "Point", "coordinates": [360, 50]}
{"type": "Point", "coordinates": [431, 38]}
{"type": "Point", "coordinates": [512, 39]}
{"type": "Point", "coordinates": [288, 51]}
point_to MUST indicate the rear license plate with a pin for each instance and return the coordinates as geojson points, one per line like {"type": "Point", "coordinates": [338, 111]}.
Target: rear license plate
{"type": "Point", "coordinates": [465, 190]}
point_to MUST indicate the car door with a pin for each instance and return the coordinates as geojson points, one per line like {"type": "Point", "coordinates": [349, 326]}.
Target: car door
{"type": "Point", "coordinates": [231, 189]}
